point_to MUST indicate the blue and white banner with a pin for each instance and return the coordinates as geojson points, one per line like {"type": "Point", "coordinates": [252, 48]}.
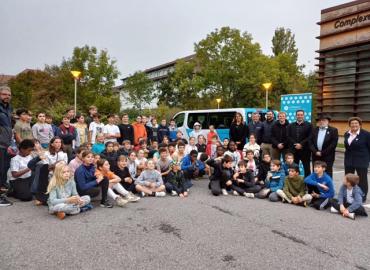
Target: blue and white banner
{"type": "Point", "coordinates": [293, 102]}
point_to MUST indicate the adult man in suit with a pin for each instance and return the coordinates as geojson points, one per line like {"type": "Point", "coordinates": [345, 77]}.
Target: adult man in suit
{"type": "Point", "coordinates": [357, 155]}
{"type": "Point", "coordinates": [299, 134]}
{"type": "Point", "coordinates": [323, 142]}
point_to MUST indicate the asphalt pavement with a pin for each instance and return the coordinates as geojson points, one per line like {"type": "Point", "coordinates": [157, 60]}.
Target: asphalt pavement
{"type": "Point", "coordinates": [199, 232]}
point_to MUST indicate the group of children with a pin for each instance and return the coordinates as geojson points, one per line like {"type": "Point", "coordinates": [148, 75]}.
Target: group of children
{"type": "Point", "coordinates": [66, 176]}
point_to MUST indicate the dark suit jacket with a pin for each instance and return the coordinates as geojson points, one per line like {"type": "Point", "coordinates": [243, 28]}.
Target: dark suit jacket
{"type": "Point", "coordinates": [329, 145]}
{"type": "Point", "coordinates": [358, 153]}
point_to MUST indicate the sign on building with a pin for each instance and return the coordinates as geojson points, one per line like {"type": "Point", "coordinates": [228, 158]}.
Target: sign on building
{"type": "Point", "coordinates": [293, 102]}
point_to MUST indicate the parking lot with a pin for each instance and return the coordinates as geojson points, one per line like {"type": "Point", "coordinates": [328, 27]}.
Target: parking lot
{"type": "Point", "coordinates": [199, 232]}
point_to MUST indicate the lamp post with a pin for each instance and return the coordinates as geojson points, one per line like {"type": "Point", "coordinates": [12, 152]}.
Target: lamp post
{"type": "Point", "coordinates": [76, 74]}
{"type": "Point", "coordinates": [218, 102]}
{"type": "Point", "coordinates": [267, 87]}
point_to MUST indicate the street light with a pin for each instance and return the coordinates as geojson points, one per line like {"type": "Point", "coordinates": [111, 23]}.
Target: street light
{"type": "Point", "coordinates": [218, 102]}
{"type": "Point", "coordinates": [267, 87]}
{"type": "Point", "coordinates": [76, 74]}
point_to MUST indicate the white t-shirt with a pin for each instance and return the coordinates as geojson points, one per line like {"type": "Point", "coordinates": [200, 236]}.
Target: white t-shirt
{"type": "Point", "coordinates": [95, 128]}
{"type": "Point", "coordinates": [110, 130]}
{"type": "Point", "coordinates": [19, 163]}
{"type": "Point", "coordinates": [52, 159]}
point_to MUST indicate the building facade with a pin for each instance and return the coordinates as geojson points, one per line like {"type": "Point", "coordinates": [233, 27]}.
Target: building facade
{"type": "Point", "coordinates": [157, 74]}
{"type": "Point", "coordinates": [344, 63]}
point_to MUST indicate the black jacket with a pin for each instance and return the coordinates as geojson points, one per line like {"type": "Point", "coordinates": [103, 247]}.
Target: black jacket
{"type": "Point", "coordinates": [279, 134]}
{"type": "Point", "coordinates": [238, 133]}
{"type": "Point", "coordinates": [220, 173]}
{"type": "Point", "coordinates": [329, 145]}
{"type": "Point", "coordinates": [263, 169]}
{"type": "Point", "coordinates": [256, 128]}
{"type": "Point", "coordinates": [149, 132]}
{"type": "Point", "coordinates": [5, 125]}
{"type": "Point", "coordinates": [127, 133]}
{"type": "Point", "coordinates": [266, 131]}
{"type": "Point", "coordinates": [358, 153]}
{"type": "Point", "coordinates": [163, 131]}
{"type": "Point", "coordinates": [299, 133]}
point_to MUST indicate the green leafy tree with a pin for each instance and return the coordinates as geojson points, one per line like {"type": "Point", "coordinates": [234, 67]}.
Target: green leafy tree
{"type": "Point", "coordinates": [139, 89]}
{"type": "Point", "coordinates": [283, 41]}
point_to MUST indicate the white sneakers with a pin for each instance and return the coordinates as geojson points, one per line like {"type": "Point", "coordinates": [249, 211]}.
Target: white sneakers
{"type": "Point", "coordinates": [132, 198]}
{"type": "Point", "coordinates": [173, 193]}
{"type": "Point", "coordinates": [235, 193]}
{"type": "Point", "coordinates": [248, 195]}
{"type": "Point", "coordinates": [160, 194]}
{"type": "Point", "coordinates": [121, 201]}
{"type": "Point", "coordinates": [224, 192]}
{"type": "Point", "coordinates": [350, 215]}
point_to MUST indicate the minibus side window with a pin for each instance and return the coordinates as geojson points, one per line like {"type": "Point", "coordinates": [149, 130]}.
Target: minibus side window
{"type": "Point", "coordinates": [221, 120]}
{"type": "Point", "coordinates": [179, 119]}
{"type": "Point", "coordinates": [198, 117]}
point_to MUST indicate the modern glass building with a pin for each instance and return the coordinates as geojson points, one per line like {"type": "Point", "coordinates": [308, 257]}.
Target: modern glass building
{"type": "Point", "coordinates": [344, 63]}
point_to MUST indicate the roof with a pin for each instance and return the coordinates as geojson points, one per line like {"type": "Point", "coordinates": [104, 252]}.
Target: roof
{"type": "Point", "coordinates": [349, 4]}
{"type": "Point", "coordinates": [165, 65]}
{"type": "Point", "coordinates": [4, 79]}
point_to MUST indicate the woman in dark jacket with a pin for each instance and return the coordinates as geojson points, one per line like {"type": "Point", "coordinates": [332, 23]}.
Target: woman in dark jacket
{"type": "Point", "coordinates": [238, 131]}
{"type": "Point", "coordinates": [357, 155]}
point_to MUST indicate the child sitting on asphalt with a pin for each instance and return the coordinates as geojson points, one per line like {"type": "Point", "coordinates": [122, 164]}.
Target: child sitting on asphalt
{"type": "Point", "coordinates": [233, 153]}
{"type": "Point", "coordinates": [274, 181]}
{"type": "Point", "coordinates": [252, 163]}
{"type": "Point", "coordinates": [243, 182]}
{"type": "Point", "coordinates": [349, 202]}
{"type": "Point", "coordinates": [294, 190]}
{"type": "Point", "coordinates": [221, 178]}
{"type": "Point", "coordinates": [320, 186]}
{"type": "Point", "coordinates": [176, 181]}
{"type": "Point", "coordinates": [63, 197]}
{"type": "Point", "coordinates": [263, 168]}
{"type": "Point", "coordinates": [109, 153]}
{"type": "Point", "coordinates": [122, 171]}
{"type": "Point", "coordinates": [150, 181]}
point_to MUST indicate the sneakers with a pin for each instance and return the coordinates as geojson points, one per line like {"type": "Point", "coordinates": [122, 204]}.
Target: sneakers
{"type": "Point", "coordinates": [235, 193]}
{"type": "Point", "coordinates": [121, 201]}
{"type": "Point", "coordinates": [173, 193]}
{"type": "Point", "coordinates": [333, 210]}
{"type": "Point", "coordinates": [249, 195]}
{"type": "Point", "coordinates": [224, 192]}
{"type": "Point", "coordinates": [106, 204]}
{"type": "Point", "coordinates": [160, 194]}
{"type": "Point", "coordinates": [37, 202]}
{"type": "Point", "coordinates": [87, 207]}
{"type": "Point", "coordinates": [61, 215]}
{"type": "Point", "coordinates": [132, 198]}
{"type": "Point", "coordinates": [4, 201]}
{"type": "Point", "coordinates": [351, 216]}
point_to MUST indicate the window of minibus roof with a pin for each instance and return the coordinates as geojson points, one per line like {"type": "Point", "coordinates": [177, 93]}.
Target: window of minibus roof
{"type": "Point", "coordinates": [198, 117]}
{"type": "Point", "coordinates": [221, 120]}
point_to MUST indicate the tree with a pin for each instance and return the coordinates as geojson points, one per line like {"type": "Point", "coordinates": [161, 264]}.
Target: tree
{"type": "Point", "coordinates": [140, 89]}
{"type": "Point", "coordinates": [283, 41]}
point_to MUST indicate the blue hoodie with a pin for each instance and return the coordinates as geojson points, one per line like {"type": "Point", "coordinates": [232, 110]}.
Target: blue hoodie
{"type": "Point", "coordinates": [276, 181]}
{"type": "Point", "coordinates": [186, 164]}
{"type": "Point", "coordinates": [163, 131]}
{"type": "Point", "coordinates": [313, 180]}
{"type": "Point", "coordinates": [85, 177]}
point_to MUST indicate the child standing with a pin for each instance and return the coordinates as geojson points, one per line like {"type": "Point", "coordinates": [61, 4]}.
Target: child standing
{"type": "Point", "coordinates": [212, 147]}
{"type": "Point", "coordinates": [42, 131]}
{"type": "Point", "coordinates": [95, 128]}
{"type": "Point", "coordinates": [68, 134]}
{"type": "Point", "coordinates": [81, 130]}
{"type": "Point", "coordinates": [111, 130]}
{"type": "Point", "coordinates": [173, 130]}
{"type": "Point", "coordinates": [349, 202]}
{"type": "Point", "coordinates": [154, 129]}
{"type": "Point", "coordinates": [22, 127]}
{"type": "Point", "coordinates": [197, 130]}
{"type": "Point", "coordinates": [63, 197]}
{"type": "Point", "coordinates": [294, 189]}
{"type": "Point", "coordinates": [163, 131]}
{"type": "Point", "coordinates": [320, 186]}
{"type": "Point", "coordinates": [191, 146]}
{"type": "Point", "coordinates": [212, 133]}
{"type": "Point", "coordinates": [274, 181]}
{"type": "Point", "coordinates": [164, 163]}
{"type": "Point", "coordinates": [150, 182]}
{"type": "Point", "coordinates": [176, 181]}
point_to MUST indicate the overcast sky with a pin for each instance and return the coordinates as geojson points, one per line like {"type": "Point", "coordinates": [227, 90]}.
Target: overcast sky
{"type": "Point", "coordinates": [141, 34]}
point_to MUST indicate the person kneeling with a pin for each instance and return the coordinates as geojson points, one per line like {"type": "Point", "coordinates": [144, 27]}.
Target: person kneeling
{"type": "Point", "coordinates": [176, 181]}
{"type": "Point", "coordinates": [294, 189]}
{"type": "Point", "coordinates": [63, 197]}
{"type": "Point", "coordinates": [349, 202]}
{"type": "Point", "coordinates": [150, 181]}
